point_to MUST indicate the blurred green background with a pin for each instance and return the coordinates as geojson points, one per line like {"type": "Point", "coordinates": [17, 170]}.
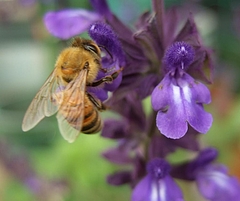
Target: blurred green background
{"type": "Point", "coordinates": [39, 164]}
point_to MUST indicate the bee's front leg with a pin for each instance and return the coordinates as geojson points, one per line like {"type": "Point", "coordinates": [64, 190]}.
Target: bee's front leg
{"type": "Point", "coordinates": [106, 79]}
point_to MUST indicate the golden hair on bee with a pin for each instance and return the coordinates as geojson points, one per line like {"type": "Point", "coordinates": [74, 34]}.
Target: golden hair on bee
{"type": "Point", "coordinates": [82, 54]}
{"type": "Point", "coordinates": [65, 92]}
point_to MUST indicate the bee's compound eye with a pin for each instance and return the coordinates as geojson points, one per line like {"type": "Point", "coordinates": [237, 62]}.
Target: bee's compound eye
{"type": "Point", "coordinates": [92, 48]}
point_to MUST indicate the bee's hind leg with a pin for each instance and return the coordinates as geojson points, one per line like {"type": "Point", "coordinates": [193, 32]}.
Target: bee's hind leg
{"type": "Point", "coordinates": [98, 104]}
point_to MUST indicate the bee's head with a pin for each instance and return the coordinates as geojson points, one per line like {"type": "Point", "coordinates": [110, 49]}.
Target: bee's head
{"type": "Point", "coordinates": [72, 60]}
{"type": "Point", "coordinates": [87, 45]}
{"type": "Point", "coordinates": [76, 58]}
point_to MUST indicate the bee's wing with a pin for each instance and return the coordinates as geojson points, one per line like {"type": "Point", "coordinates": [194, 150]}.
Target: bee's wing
{"type": "Point", "coordinates": [42, 105]}
{"type": "Point", "coordinates": [72, 109]}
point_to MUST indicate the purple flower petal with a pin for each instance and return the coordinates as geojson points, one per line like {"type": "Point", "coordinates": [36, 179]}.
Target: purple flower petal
{"type": "Point", "coordinates": [160, 95]}
{"type": "Point", "coordinates": [98, 92]}
{"type": "Point", "coordinates": [173, 123]}
{"type": "Point", "coordinates": [105, 36]}
{"type": "Point", "coordinates": [215, 185]}
{"type": "Point", "coordinates": [171, 22]}
{"type": "Point", "coordinates": [101, 7]}
{"type": "Point", "coordinates": [157, 185]}
{"type": "Point", "coordinates": [203, 66]}
{"type": "Point", "coordinates": [204, 158]}
{"type": "Point", "coordinates": [189, 32]}
{"type": "Point", "coordinates": [152, 190]}
{"type": "Point", "coordinates": [65, 24]}
{"type": "Point", "coordinates": [118, 156]}
{"type": "Point", "coordinates": [142, 190]}
{"type": "Point", "coordinates": [171, 117]}
{"type": "Point", "coordinates": [196, 116]}
{"type": "Point", "coordinates": [179, 101]}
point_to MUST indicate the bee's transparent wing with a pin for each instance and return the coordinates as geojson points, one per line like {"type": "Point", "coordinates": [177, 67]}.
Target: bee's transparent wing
{"type": "Point", "coordinates": [71, 113]}
{"type": "Point", "coordinates": [43, 104]}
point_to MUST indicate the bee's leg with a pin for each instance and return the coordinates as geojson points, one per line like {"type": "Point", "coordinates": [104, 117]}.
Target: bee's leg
{"type": "Point", "coordinates": [103, 69]}
{"type": "Point", "coordinates": [107, 79]}
{"type": "Point", "coordinates": [99, 105]}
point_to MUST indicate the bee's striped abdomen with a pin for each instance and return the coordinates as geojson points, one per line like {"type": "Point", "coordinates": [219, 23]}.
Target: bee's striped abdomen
{"type": "Point", "coordinates": [92, 122]}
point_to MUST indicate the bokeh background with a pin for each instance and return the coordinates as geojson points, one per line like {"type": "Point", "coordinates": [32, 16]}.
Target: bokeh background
{"type": "Point", "coordinates": [39, 164]}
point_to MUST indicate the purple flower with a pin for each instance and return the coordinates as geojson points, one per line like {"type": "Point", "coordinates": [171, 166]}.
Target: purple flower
{"type": "Point", "coordinates": [67, 23]}
{"type": "Point", "coordinates": [179, 98]}
{"type": "Point", "coordinates": [157, 185]}
{"type": "Point", "coordinates": [114, 57]}
{"type": "Point", "coordinates": [212, 179]}
{"type": "Point", "coordinates": [170, 66]}
{"type": "Point", "coordinates": [216, 185]}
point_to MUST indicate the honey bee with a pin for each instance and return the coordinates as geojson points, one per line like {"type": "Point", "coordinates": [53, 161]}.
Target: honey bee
{"type": "Point", "coordinates": [65, 92]}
